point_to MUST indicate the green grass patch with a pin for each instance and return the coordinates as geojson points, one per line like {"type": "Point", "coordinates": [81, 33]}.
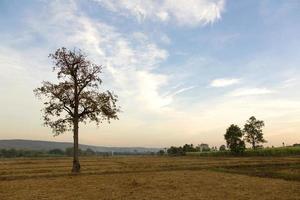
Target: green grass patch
{"type": "Point", "coordinates": [278, 151]}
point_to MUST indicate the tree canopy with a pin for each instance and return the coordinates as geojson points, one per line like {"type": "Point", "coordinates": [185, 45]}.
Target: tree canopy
{"type": "Point", "coordinates": [76, 97]}
{"type": "Point", "coordinates": [233, 137]}
{"type": "Point", "coordinates": [253, 132]}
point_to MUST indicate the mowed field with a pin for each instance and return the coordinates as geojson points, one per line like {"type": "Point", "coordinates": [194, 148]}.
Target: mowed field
{"type": "Point", "coordinates": [151, 177]}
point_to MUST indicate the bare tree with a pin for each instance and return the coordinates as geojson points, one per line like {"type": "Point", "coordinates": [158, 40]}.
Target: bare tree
{"type": "Point", "coordinates": [76, 97]}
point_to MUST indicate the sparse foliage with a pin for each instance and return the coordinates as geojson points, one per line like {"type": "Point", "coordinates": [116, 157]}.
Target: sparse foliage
{"type": "Point", "coordinates": [253, 132]}
{"type": "Point", "coordinates": [76, 97]}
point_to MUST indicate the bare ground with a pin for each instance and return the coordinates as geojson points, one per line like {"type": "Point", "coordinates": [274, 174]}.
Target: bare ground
{"type": "Point", "coordinates": [150, 178]}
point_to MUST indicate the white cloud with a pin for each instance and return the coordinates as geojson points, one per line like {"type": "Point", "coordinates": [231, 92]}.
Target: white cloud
{"type": "Point", "coordinates": [250, 92]}
{"type": "Point", "coordinates": [129, 59]}
{"type": "Point", "coordinates": [148, 95]}
{"type": "Point", "coordinates": [224, 82]}
{"type": "Point", "coordinates": [165, 39]}
{"type": "Point", "coordinates": [183, 12]}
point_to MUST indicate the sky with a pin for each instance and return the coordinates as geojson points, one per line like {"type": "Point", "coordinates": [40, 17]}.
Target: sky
{"type": "Point", "coordinates": [183, 70]}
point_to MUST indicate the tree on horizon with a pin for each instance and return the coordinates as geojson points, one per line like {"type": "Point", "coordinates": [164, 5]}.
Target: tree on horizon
{"type": "Point", "coordinates": [76, 98]}
{"type": "Point", "coordinates": [234, 141]}
{"type": "Point", "coordinates": [253, 131]}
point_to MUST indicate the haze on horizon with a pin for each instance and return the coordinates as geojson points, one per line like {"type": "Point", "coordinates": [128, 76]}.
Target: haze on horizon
{"type": "Point", "coordinates": [183, 71]}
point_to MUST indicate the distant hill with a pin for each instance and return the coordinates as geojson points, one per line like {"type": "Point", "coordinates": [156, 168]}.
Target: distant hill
{"type": "Point", "coordinates": [46, 145]}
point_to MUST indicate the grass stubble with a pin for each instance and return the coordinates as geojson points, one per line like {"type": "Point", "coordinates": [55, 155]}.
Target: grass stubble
{"type": "Point", "coordinates": [151, 177]}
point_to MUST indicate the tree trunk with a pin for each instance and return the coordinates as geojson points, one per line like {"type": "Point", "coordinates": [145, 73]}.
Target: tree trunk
{"type": "Point", "coordinates": [253, 144]}
{"type": "Point", "coordinates": [76, 164]}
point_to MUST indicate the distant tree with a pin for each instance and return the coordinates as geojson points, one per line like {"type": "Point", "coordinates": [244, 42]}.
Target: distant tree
{"type": "Point", "coordinates": [253, 132]}
{"type": "Point", "coordinates": [89, 152]}
{"type": "Point", "coordinates": [76, 97]}
{"type": "Point", "coordinates": [8, 153]}
{"type": "Point", "coordinates": [188, 148]}
{"type": "Point", "coordinates": [222, 147]}
{"type": "Point", "coordinates": [12, 153]}
{"type": "Point", "coordinates": [233, 137]}
{"type": "Point", "coordinates": [56, 152]}
{"type": "Point", "coordinates": [177, 151]}
{"type": "Point", "coordinates": [204, 147]}
{"type": "Point", "coordinates": [161, 152]}
{"type": "Point", "coordinates": [70, 151]}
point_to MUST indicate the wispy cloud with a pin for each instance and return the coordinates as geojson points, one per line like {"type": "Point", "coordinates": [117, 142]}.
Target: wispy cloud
{"type": "Point", "coordinates": [154, 74]}
{"type": "Point", "coordinates": [250, 92]}
{"type": "Point", "coordinates": [178, 91]}
{"type": "Point", "coordinates": [182, 90]}
{"type": "Point", "coordinates": [129, 59]}
{"type": "Point", "coordinates": [289, 82]}
{"type": "Point", "coordinates": [187, 12]}
{"type": "Point", "coordinates": [224, 82]}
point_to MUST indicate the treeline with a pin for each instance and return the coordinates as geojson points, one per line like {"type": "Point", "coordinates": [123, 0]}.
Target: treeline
{"type": "Point", "coordinates": [14, 153]}
{"type": "Point", "coordinates": [182, 150]}
{"type": "Point", "coordinates": [268, 151]}
{"type": "Point", "coordinates": [236, 139]}
{"type": "Point", "coordinates": [190, 149]}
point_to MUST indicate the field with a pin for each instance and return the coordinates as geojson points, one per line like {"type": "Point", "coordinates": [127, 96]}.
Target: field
{"type": "Point", "coordinates": [277, 151]}
{"type": "Point", "coordinates": [151, 177]}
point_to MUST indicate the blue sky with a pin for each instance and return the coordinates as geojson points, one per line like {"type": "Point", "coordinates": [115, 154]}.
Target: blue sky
{"type": "Point", "coordinates": [184, 71]}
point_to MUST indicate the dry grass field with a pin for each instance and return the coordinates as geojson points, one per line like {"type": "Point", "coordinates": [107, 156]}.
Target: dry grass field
{"type": "Point", "coordinates": [151, 178]}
